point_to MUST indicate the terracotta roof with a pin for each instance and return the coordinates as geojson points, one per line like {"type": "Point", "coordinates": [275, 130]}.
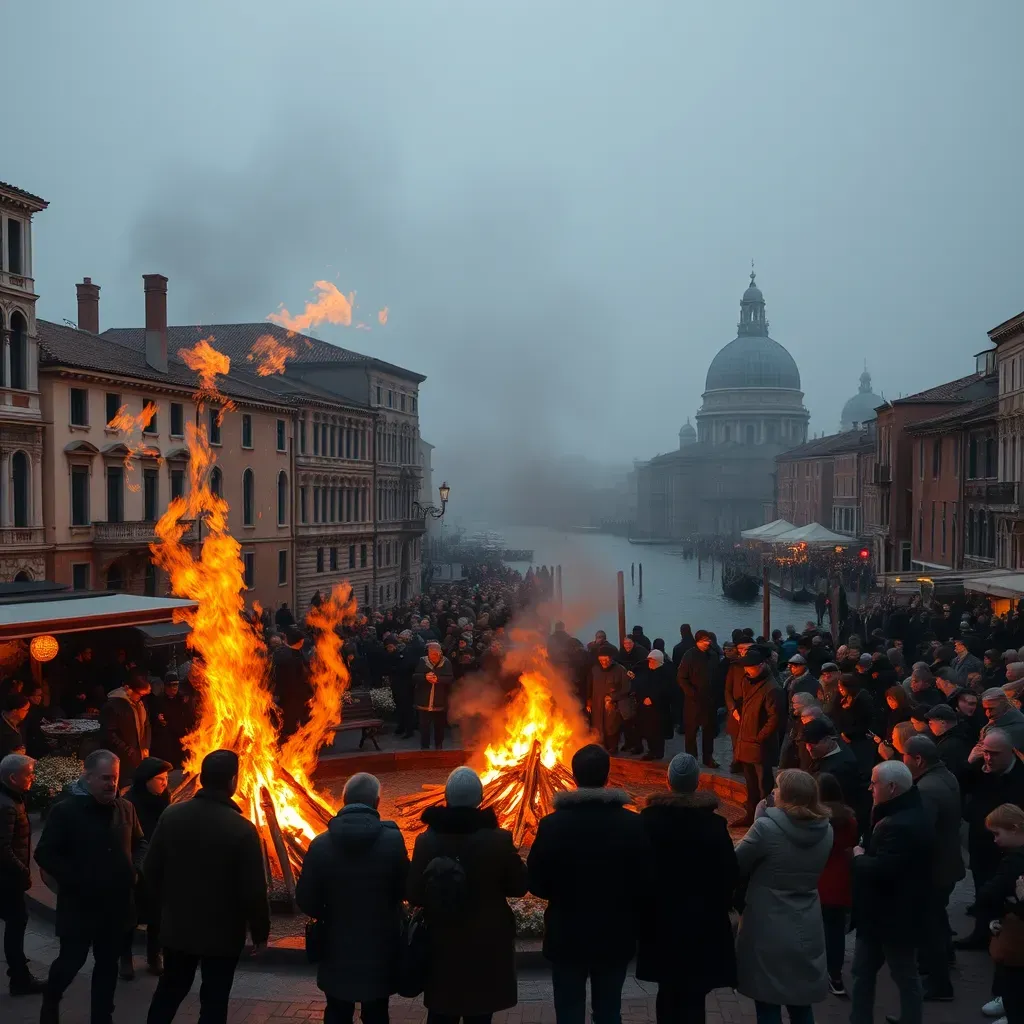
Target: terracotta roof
{"type": "Point", "coordinates": [236, 341]}
{"type": "Point", "coordinates": [951, 391]}
{"type": "Point", "coordinates": [22, 194]}
{"type": "Point", "coordinates": [60, 345]}
{"type": "Point", "coordinates": [970, 412]}
{"type": "Point", "coordinates": [1007, 329]}
{"type": "Point", "coordinates": [833, 444]}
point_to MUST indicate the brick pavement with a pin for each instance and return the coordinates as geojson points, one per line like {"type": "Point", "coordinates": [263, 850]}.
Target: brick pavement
{"type": "Point", "coordinates": [279, 996]}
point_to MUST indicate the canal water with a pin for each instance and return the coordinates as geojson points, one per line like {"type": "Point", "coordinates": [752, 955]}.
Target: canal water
{"type": "Point", "coordinates": [672, 592]}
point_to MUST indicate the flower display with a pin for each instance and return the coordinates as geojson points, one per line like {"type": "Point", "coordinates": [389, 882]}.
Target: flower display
{"type": "Point", "coordinates": [529, 914]}
{"type": "Point", "coordinates": [383, 700]}
{"type": "Point", "coordinates": [52, 775]}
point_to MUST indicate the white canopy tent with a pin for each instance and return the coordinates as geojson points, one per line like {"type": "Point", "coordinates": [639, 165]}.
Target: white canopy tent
{"type": "Point", "coordinates": [998, 583]}
{"type": "Point", "coordinates": [769, 531]}
{"type": "Point", "coordinates": [813, 534]}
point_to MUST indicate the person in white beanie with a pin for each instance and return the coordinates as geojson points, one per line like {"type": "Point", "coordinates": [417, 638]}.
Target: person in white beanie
{"type": "Point", "coordinates": [464, 868]}
{"type": "Point", "coordinates": [653, 691]}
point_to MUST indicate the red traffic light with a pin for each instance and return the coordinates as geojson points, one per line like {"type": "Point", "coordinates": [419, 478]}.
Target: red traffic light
{"type": "Point", "coordinates": [865, 554]}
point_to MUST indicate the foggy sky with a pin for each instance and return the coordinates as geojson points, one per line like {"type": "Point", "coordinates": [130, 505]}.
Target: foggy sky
{"type": "Point", "coordinates": [558, 202]}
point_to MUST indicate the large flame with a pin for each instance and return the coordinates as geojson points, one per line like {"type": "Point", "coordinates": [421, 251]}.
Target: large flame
{"type": "Point", "coordinates": [332, 306]}
{"type": "Point", "coordinates": [270, 355]}
{"type": "Point", "coordinates": [236, 708]}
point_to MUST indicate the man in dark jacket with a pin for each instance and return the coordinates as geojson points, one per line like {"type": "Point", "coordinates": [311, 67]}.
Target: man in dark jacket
{"type": "Point", "coordinates": [891, 879]}
{"type": "Point", "coordinates": [292, 688]}
{"type": "Point", "coordinates": [608, 697]}
{"type": "Point", "coordinates": [172, 717]}
{"type": "Point", "coordinates": [686, 641]}
{"type": "Point", "coordinates": [587, 843]}
{"type": "Point", "coordinates": [16, 775]}
{"type": "Point", "coordinates": [90, 848]}
{"type": "Point", "coordinates": [124, 724]}
{"type": "Point", "coordinates": [353, 882]}
{"type": "Point", "coordinates": [940, 795]}
{"type": "Point", "coordinates": [283, 617]}
{"type": "Point", "coordinates": [951, 738]}
{"type": "Point", "coordinates": [432, 681]}
{"type": "Point", "coordinates": [994, 776]}
{"type": "Point", "coordinates": [689, 840]}
{"type": "Point", "coordinates": [652, 689]}
{"type": "Point", "coordinates": [757, 742]}
{"type": "Point", "coordinates": [12, 723]}
{"type": "Point", "coordinates": [829, 753]}
{"type": "Point", "coordinates": [695, 676]}
{"type": "Point", "coordinates": [204, 867]}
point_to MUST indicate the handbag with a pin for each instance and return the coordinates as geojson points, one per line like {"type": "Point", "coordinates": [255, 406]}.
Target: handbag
{"type": "Point", "coordinates": [316, 940]}
{"type": "Point", "coordinates": [1007, 948]}
{"type": "Point", "coordinates": [413, 956]}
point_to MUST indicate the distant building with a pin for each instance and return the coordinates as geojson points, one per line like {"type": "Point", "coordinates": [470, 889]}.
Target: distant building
{"type": "Point", "coordinates": [720, 479]}
{"type": "Point", "coordinates": [862, 407]}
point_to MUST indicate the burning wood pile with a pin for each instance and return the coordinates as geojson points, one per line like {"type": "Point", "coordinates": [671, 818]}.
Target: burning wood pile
{"type": "Point", "coordinates": [231, 669]}
{"type": "Point", "coordinates": [525, 768]}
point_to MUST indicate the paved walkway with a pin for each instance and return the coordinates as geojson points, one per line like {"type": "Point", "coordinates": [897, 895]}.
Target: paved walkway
{"type": "Point", "coordinates": [263, 996]}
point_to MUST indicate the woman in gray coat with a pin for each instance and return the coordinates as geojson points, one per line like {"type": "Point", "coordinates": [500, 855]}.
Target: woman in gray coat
{"type": "Point", "coordinates": [780, 950]}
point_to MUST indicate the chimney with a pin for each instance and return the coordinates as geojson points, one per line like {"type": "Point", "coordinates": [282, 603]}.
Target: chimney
{"type": "Point", "coordinates": [156, 320]}
{"type": "Point", "coordinates": [88, 306]}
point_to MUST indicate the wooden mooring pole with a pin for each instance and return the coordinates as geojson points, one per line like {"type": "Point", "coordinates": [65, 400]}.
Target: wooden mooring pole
{"type": "Point", "coordinates": [558, 586]}
{"type": "Point", "coordinates": [641, 596]}
{"type": "Point", "coordinates": [766, 604]}
{"type": "Point", "coordinates": [632, 574]}
{"type": "Point", "coordinates": [620, 581]}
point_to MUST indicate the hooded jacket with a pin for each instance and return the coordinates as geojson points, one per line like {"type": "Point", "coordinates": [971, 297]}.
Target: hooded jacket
{"type": "Point", "coordinates": [353, 880]}
{"type": "Point", "coordinates": [780, 949]}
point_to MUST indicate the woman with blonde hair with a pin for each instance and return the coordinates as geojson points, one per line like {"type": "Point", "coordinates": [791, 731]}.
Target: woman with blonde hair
{"type": "Point", "coordinates": [780, 950]}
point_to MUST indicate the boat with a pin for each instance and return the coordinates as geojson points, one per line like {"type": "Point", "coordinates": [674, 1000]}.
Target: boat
{"type": "Point", "coordinates": [738, 585]}
{"type": "Point", "coordinates": [651, 540]}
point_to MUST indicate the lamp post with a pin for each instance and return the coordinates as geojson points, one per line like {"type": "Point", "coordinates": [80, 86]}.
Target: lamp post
{"type": "Point", "coordinates": [433, 511]}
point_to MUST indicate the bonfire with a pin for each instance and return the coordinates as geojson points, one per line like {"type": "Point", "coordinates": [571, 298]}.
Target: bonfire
{"type": "Point", "coordinates": [524, 766]}
{"type": "Point", "coordinates": [232, 669]}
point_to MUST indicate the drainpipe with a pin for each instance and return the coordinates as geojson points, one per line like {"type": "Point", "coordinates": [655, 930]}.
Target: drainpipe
{"type": "Point", "coordinates": [373, 492]}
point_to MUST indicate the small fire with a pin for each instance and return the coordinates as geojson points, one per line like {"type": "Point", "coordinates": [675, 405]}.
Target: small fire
{"type": "Point", "coordinates": [237, 709]}
{"type": "Point", "coordinates": [332, 306]}
{"type": "Point", "coordinates": [382, 316]}
{"type": "Point", "coordinates": [128, 423]}
{"type": "Point", "coordinates": [208, 364]}
{"type": "Point", "coordinates": [270, 355]}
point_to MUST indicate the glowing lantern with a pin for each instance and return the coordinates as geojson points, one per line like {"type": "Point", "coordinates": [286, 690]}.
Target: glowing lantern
{"type": "Point", "coordinates": [44, 648]}
{"type": "Point", "coordinates": [444, 490]}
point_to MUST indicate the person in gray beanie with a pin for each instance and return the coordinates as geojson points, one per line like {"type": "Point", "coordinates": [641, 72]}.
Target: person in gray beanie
{"type": "Point", "coordinates": [471, 940]}
{"type": "Point", "coordinates": [690, 843]}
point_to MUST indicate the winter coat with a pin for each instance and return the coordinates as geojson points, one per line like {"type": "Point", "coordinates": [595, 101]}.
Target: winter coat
{"type": "Point", "coordinates": [892, 878]}
{"type": "Point", "coordinates": [12, 739]}
{"type": "Point", "coordinates": [588, 861]}
{"type": "Point", "coordinates": [148, 806]}
{"type": "Point", "coordinates": [205, 868]}
{"type": "Point", "coordinates": [353, 881]}
{"type": "Point", "coordinates": [835, 886]}
{"type": "Point", "coordinates": [998, 895]}
{"type": "Point", "coordinates": [780, 949]}
{"type": "Point", "coordinates": [954, 748]}
{"type": "Point", "coordinates": [121, 731]}
{"type": "Point", "coordinates": [472, 957]}
{"type": "Point", "coordinates": [689, 841]}
{"type": "Point", "coordinates": [695, 675]}
{"type": "Point", "coordinates": [843, 764]}
{"type": "Point", "coordinates": [15, 843]}
{"type": "Point", "coordinates": [91, 851]}
{"type": "Point", "coordinates": [966, 664]}
{"type": "Point", "coordinates": [292, 689]}
{"type": "Point", "coordinates": [686, 642]}
{"type": "Point", "coordinates": [433, 696]}
{"type": "Point", "coordinates": [632, 661]}
{"type": "Point", "coordinates": [983, 793]}
{"type": "Point", "coordinates": [656, 685]}
{"type": "Point", "coordinates": [758, 739]}
{"type": "Point", "coordinates": [1011, 721]}
{"type": "Point", "coordinates": [609, 685]}
{"type": "Point", "coordinates": [171, 720]}
{"type": "Point", "coordinates": [940, 795]}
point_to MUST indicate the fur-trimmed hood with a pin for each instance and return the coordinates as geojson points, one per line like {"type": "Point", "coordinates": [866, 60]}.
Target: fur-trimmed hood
{"type": "Point", "coordinates": [578, 797]}
{"type": "Point", "coordinates": [699, 800]}
{"type": "Point", "coordinates": [459, 820]}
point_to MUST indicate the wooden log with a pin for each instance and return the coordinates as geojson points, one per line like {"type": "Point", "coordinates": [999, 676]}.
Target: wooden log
{"type": "Point", "coordinates": [529, 788]}
{"type": "Point", "coordinates": [186, 789]}
{"type": "Point", "coordinates": [279, 844]}
{"type": "Point", "coordinates": [311, 808]}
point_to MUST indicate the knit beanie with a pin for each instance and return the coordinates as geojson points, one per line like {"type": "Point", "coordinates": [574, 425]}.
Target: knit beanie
{"type": "Point", "coordinates": [463, 788]}
{"type": "Point", "coordinates": [683, 773]}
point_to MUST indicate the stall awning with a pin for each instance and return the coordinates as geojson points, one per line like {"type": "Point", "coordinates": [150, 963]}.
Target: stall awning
{"type": "Point", "coordinates": [22, 619]}
{"type": "Point", "coordinates": [812, 533]}
{"type": "Point", "coordinates": [164, 634]}
{"type": "Point", "coordinates": [997, 583]}
{"type": "Point", "coordinates": [768, 531]}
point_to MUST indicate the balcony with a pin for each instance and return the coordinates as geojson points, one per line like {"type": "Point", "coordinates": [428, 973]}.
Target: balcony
{"type": "Point", "coordinates": [18, 281]}
{"type": "Point", "coordinates": [15, 536]}
{"type": "Point", "coordinates": [1002, 493]}
{"type": "Point", "coordinates": [882, 474]}
{"type": "Point", "coordinates": [134, 534]}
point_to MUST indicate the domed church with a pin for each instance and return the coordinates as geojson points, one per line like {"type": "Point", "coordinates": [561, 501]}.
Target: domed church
{"type": "Point", "coordinates": [721, 481]}
{"type": "Point", "coordinates": [861, 408]}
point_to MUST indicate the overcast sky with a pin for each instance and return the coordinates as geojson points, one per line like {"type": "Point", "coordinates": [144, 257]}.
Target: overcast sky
{"type": "Point", "coordinates": [558, 201]}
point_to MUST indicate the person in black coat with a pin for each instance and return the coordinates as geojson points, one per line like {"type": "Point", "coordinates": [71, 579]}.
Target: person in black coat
{"type": "Point", "coordinates": [292, 688]}
{"type": "Point", "coordinates": [17, 773]}
{"type": "Point", "coordinates": [757, 740]}
{"type": "Point", "coordinates": [891, 879]}
{"type": "Point", "coordinates": [686, 641]}
{"type": "Point", "coordinates": [172, 717]}
{"type": "Point", "coordinates": [951, 738]}
{"type": "Point", "coordinates": [853, 716]}
{"type": "Point", "coordinates": [90, 847]}
{"type": "Point", "coordinates": [588, 861]}
{"type": "Point", "coordinates": [695, 677]}
{"type": "Point", "coordinates": [633, 658]}
{"type": "Point", "coordinates": [150, 798]}
{"type": "Point", "coordinates": [690, 841]}
{"type": "Point", "coordinates": [652, 689]}
{"type": "Point", "coordinates": [829, 753]}
{"type": "Point", "coordinates": [432, 683]}
{"type": "Point", "coordinates": [12, 718]}
{"type": "Point", "coordinates": [353, 882]}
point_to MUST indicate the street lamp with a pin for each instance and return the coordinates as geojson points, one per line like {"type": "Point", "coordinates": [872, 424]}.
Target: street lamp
{"type": "Point", "coordinates": [432, 510]}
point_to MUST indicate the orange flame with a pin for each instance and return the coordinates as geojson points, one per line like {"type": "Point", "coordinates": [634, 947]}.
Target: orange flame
{"type": "Point", "coordinates": [382, 316]}
{"type": "Point", "coordinates": [270, 355]}
{"type": "Point", "coordinates": [126, 423]}
{"type": "Point", "coordinates": [237, 709]}
{"type": "Point", "coordinates": [332, 306]}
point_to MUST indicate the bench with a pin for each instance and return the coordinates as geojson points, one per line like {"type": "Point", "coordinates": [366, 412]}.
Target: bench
{"type": "Point", "coordinates": [359, 713]}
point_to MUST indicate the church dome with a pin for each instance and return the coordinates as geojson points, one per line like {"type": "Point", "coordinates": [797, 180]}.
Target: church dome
{"type": "Point", "coordinates": [861, 408]}
{"type": "Point", "coordinates": [687, 434]}
{"type": "Point", "coordinates": [752, 359]}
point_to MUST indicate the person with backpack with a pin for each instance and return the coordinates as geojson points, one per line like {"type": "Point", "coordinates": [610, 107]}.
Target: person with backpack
{"type": "Point", "coordinates": [353, 883]}
{"type": "Point", "coordinates": [464, 868]}
{"type": "Point", "coordinates": [592, 861]}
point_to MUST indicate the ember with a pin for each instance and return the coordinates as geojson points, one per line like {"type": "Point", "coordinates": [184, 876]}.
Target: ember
{"type": "Point", "coordinates": [524, 768]}
{"type": "Point", "coordinates": [237, 709]}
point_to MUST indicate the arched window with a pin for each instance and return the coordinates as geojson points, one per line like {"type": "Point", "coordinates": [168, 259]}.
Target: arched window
{"type": "Point", "coordinates": [19, 352]}
{"type": "Point", "coordinates": [248, 499]}
{"type": "Point", "coordinates": [217, 482]}
{"type": "Point", "coordinates": [115, 578]}
{"type": "Point", "coordinates": [23, 577]}
{"type": "Point", "coordinates": [282, 498]}
{"type": "Point", "coordinates": [19, 487]}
